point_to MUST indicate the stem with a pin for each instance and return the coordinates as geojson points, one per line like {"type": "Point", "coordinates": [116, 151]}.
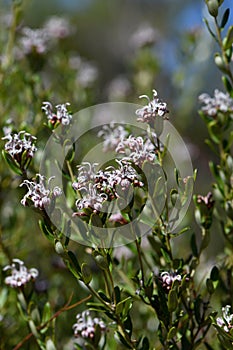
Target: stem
{"type": "Point", "coordinates": [226, 63]}
{"type": "Point", "coordinates": [11, 39]}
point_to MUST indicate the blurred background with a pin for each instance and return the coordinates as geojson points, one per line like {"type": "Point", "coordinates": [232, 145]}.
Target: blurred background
{"type": "Point", "coordinates": [101, 50]}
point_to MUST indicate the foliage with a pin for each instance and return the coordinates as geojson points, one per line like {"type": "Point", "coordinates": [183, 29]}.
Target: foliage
{"type": "Point", "coordinates": [143, 294]}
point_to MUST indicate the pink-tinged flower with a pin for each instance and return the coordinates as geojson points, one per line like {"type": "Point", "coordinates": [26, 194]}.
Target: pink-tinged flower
{"type": "Point", "coordinates": [61, 115]}
{"type": "Point", "coordinates": [57, 27]}
{"type": "Point", "coordinates": [225, 322]}
{"type": "Point", "coordinates": [40, 193]}
{"type": "Point", "coordinates": [20, 275]}
{"type": "Point", "coordinates": [85, 327]}
{"type": "Point", "coordinates": [112, 134]}
{"type": "Point", "coordinates": [34, 40]}
{"type": "Point", "coordinates": [167, 279]}
{"type": "Point", "coordinates": [154, 108]}
{"type": "Point", "coordinates": [137, 150]}
{"type": "Point", "coordinates": [19, 143]}
{"type": "Point", "coordinates": [221, 102]}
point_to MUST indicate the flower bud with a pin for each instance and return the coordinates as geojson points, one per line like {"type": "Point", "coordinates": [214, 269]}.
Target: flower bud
{"type": "Point", "coordinates": [59, 248]}
{"type": "Point", "coordinates": [212, 7]}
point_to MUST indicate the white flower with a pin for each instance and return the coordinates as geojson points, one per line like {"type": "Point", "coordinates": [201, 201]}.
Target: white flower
{"type": "Point", "coordinates": [112, 135]}
{"type": "Point", "coordinates": [137, 150]}
{"type": "Point", "coordinates": [57, 27]}
{"type": "Point", "coordinates": [167, 279]}
{"type": "Point", "coordinates": [155, 108]}
{"type": "Point", "coordinates": [20, 275]}
{"type": "Point", "coordinates": [87, 74]}
{"type": "Point", "coordinates": [61, 115]}
{"type": "Point", "coordinates": [85, 327]}
{"type": "Point", "coordinates": [145, 35]}
{"type": "Point", "coordinates": [96, 187]}
{"type": "Point", "coordinates": [19, 143]}
{"type": "Point", "coordinates": [34, 40]}
{"type": "Point", "coordinates": [225, 322]}
{"type": "Point", "coordinates": [38, 193]}
{"type": "Point", "coordinates": [92, 199]}
{"type": "Point", "coordinates": [219, 103]}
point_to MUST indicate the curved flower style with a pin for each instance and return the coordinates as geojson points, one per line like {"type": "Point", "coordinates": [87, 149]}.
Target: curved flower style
{"type": "Point", "coordinates": [85, 327]}
{"type": "Point", "coordinates": [92, 199]}
{"type": "Point", "coordinates": [167, 279]}
{"type": "Point", "coordinates": [20, 275]}
{"type": "Point", "coordinates": [225, 322]}
{"type": "Point", "coordinates": [221, 102]}
{"type": "Point", "coordinates": [137, 150]}
{"type": "Point", "coordinates": [19, 143]}
{"type": "Point", "coordinates": [112, 135]}
{"type": "Point", "coordinates": [38, 193]}
{"type": "Point", "coordinates": [61, 115]}
{"type": "Point", "coordinates": [155, 108]}
{"type": "Point", "coordinates": [99, 186]}
{"type": "Point", "coordinates": [34, 40]}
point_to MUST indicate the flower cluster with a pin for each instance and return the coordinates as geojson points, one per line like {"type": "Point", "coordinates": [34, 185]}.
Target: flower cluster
{"type": "Point", "coordinates": [155, 108]}
{"type": "Point", "coordinates": [144, 36]}
{"type": "Point", "coordinates": [19, 143]}
{"type": "Point", "coordinates": [87, 74]}
{"type": "Point", "coordinates": [20, 275]}
{"type": "Point", "coordinates": [225, 322]}
{"type": "Point", "coordinates": [86, 326]}
{"type": "Point", "coordinates": [60, 116]}
{"type": "Point", "coordinates": [221, 102]}
{"type": "Point", "coordinates": [38, 193]}
{"type": "Point", "coordinates": [167, 279]}
{"type": "Point", "coordinates": [57, 27]}
{"type": "Point", "coordinates": [112, 135]}
{"type": "Point", "coordinates": [206, 200]}
{"type": "Point", "coordinates": [137, 150]}
{"type": "Point", "coordinates": [34, 40]}
{"type": "Point", "coordinates": [102, 185]}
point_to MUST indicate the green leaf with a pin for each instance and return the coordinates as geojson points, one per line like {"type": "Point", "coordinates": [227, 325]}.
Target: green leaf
{"type": "Point", "coordinates": [47, 313]}
{"type": "Point", "coordinates": [225, 18]}
{"type": "Point", "coordinates": [214, 275]}
{"type": "Point", "coordinates": [145, 344]}
{"type": "Point", "coordinates": [172, 300]}
{"type": "Point", "coordinates": [210, 30]}
{"type": "Point", "coordinates": [194, 245]}
{"type": "Point", "coordinates": [86, 273]}
{"type": "Point", "coordinates": [172, 333]}
{"type": "Point", "coordinates": [209, 286]}
{"type": "Point", "coordinates": [46, 230]}
{"type": "Point", "coordinates": [123, 341]}
{"type": "Point", "coordinates": [128, 325]}
{"type": "Point", "coordinates": [74, 261]}
{"type": "Point", "coordinates": [14, 167]}
{"type": "Point", "coordinates": [166, 256]}
{"type": "Point", "coordinates": [50, 345]}
{"type": "Point", "coordinates": [229, 39]}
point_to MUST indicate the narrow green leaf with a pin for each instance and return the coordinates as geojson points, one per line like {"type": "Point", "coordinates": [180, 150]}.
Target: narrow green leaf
{"type": "Point", "coordinates": [86, 273]}
{"type": "Point", "coordinates": [166, 256]}
{"type": "Point", "coordinates": [46, 230]}
{"type": "Point", "coordinates": [172, 333]}
{"type": "Point", "coordinates": [123, 341]}
{"type": "Point", "coordinates": [172, 300]}
{"type": "Point", "coordinates": [214, 275]}
{"type": "Point", "coordinates": [14, 167]}
{"type": "Point", "coordinates": [74, 261]}
{"type": "Point", "coordinates": [229, 38]}
{"type": "Point", "coordinates": [225, 18]}
{"type": "Point", "coordinates": [145, 344]}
